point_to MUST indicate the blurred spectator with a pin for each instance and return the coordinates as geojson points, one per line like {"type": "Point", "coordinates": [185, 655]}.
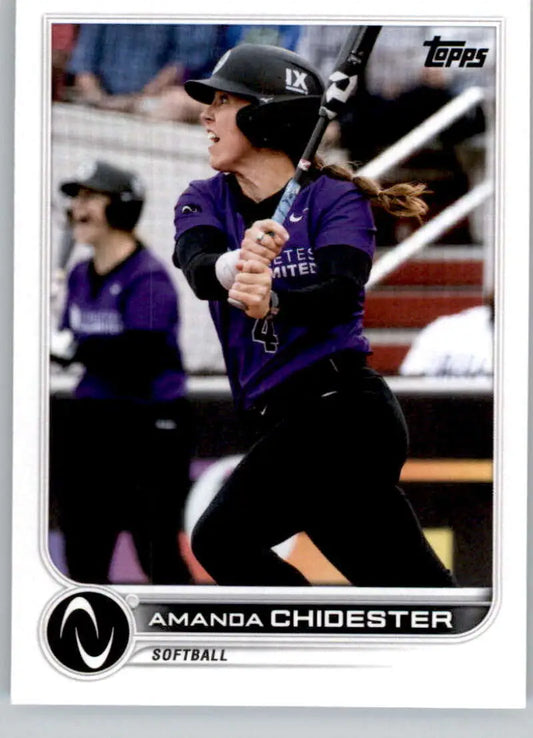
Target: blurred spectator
{"type": "Point", "coordinates": [459, 345]}
{"type": "Point", "coordinates": [365, 126]}
{"type": "Point", "coordinates": [382, 112]}
{"type": "Point", "coordinates": [141, 68]}
{"type": "Point", "coordinates": [372, 123]}
{"type": "Point", "coordinates": [63, 40]}
{"type": "Point", "coordinates": [437, 162]}
{"type": "Point", "coordinates": [321, 45]}
{"type": "Point", "coordinates": [431, 92]}
{"type": "Point", "coordinates": [285, 36]}
{"type": "Point", "coordinates": [133, 67]}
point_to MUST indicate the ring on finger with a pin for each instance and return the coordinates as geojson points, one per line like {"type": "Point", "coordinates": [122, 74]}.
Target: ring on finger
{"type": "Point", "coordinates": [260, 237]}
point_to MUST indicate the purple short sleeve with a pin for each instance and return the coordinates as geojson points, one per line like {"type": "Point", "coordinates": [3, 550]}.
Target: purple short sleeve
{"type": "Point", "coordinates": [345, 217]}
{"type": "Point", "coordinates": [196, 207]}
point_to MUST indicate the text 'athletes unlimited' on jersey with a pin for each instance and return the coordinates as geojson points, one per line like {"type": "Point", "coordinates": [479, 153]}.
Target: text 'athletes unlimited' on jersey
{"type": "Point", "coordinates": [260, 354]}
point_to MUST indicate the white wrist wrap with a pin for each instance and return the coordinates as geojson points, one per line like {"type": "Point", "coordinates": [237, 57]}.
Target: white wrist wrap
{"type": "Point", "coordinates": [225, 268]}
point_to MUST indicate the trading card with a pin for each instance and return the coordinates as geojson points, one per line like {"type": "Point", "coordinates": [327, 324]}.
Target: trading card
{"type": "Point", "coordinates": [270, 373]}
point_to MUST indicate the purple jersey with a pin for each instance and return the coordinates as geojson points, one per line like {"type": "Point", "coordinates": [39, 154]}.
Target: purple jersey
{"type": "Point", "coordinates": [260, 354]}
{"type": "Point", "coordinates": [137, 295]}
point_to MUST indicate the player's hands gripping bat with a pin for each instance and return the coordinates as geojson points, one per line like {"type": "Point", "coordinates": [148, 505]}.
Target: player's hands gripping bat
{"type": "Point", "coordinates": [252, 286]}
{"type": "Point", "coordinates": [263, 241]}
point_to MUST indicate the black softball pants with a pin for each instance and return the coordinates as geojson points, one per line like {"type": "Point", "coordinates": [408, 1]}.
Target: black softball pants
{"type": "Point", "coordinates": [327, 462]}
{"type": "Point", "coordinates": [121, 466]}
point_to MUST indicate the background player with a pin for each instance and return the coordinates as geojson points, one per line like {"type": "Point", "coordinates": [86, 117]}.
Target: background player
{"type": "Point", "coordinates": [330, 438]}
{"type": "Point", "coordinates": [124, 463]}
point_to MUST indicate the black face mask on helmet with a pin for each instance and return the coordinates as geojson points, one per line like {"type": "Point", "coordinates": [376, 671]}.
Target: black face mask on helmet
{"type": "Point", "coordinates": [284, 91]}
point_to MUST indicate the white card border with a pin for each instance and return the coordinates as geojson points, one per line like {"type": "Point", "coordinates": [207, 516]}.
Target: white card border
{"type": "Point", "coordinates": [26, 358]}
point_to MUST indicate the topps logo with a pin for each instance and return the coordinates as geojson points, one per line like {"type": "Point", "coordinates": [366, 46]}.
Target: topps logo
{"type": "Point", "coordinates": [445, 53]}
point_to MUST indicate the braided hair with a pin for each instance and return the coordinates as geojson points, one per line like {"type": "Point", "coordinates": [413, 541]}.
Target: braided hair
{"type": "Point", "coordinates": [403, 200]}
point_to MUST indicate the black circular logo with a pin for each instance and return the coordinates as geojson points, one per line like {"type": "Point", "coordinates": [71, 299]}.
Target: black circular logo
{"type": "Point", "coordinates": [88, 631]}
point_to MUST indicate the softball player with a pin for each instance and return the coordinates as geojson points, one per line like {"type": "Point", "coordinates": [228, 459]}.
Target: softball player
{"type": "Point", "coordinates": [329, 436]}
{"type": "Point", "coordinates": [127, 445]}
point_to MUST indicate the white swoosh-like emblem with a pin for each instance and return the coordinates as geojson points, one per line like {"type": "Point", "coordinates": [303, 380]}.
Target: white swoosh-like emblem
{"type": "Point", "coordinates": [80, 603]}
{"type": "Point", "coordinates": [95, 662]}
{"type": "Point", "coordinates": [297, 218]}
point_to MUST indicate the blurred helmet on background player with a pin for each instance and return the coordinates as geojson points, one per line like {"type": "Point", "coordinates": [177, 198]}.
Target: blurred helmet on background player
{"type": "Point", "coordinates": [284, 91]}
{"type": "Point", "coordinates": [123, 188]}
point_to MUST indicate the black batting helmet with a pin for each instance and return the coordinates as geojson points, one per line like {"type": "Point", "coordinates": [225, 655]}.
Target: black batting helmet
{"type": "Point", "coordinates": [123, 187]}
{"type": "Point", "coordinates": [284, 91]}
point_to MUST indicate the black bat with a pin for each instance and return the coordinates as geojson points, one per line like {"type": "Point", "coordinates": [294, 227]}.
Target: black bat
{"type": "Point", "coordinates": [342, 83]}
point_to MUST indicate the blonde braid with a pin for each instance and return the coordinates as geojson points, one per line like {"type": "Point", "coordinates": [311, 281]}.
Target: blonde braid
{"type": "Point", "coordinates": [403, 200]}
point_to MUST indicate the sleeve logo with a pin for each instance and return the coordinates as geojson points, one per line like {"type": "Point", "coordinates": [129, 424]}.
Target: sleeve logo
{"type": "Point", "coordinates": [190, 208]}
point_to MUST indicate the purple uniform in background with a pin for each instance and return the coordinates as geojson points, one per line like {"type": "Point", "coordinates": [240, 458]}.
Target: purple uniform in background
{"type": "Point", "coordinates": [137, 295]}
{"type": "Point", "coordinates": [260, 354]}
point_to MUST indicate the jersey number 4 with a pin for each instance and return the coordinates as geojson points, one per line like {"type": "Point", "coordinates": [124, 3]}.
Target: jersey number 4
{"type": "Point", "coordinates": [263, 332]}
